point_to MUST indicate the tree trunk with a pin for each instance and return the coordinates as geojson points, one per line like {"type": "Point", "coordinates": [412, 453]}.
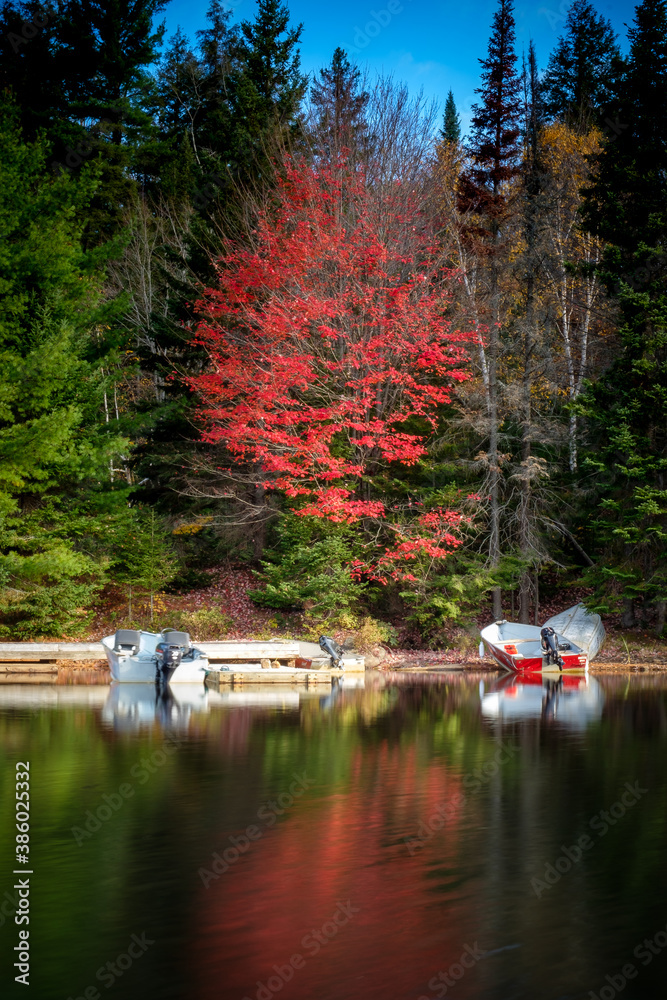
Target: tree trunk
{"type": "Point", "coordinates": [532, 188]}
{"type": "Point", "coordinates": [494, 470]}
{"type": "Point", "coordinates": [628, 615]}
{"type": "Point", "coordinates": [524, 510]}
{"type": "Point", "coordinates": [259, 527]}
{"type": "Point", "coordinates": [660, 622]}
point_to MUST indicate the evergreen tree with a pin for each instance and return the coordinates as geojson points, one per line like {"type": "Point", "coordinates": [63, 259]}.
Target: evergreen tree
{"type": "Point", "coordinates": [451, 128]}
{"type": "Point", "coordinates": [627, 207]}
{"type": "Point", "coordinates": [267, 89]}
{"type": "Point", "coordinates": [29, 72]}
{"type": "Point", "coordinates": [179, 85]}
{"type": "Point", "coordinates": [528, 272]}
{"type": "Point", "coordinates": [485, 192]}
{"type": "Point", "coordinates": [57, 452]}
{"type": "Point", "coordinates": [338, 108]}
{"type": "Point", "coordinates": [496, 121]}
{"type": "Point", "coordinates": [173, 241]}
{"type": "Point", "coordinates": [95, 106]}
{"type": "Point", "coordinates": [221, 62]}
{"type": "Point", "coordinates": [581, 71]}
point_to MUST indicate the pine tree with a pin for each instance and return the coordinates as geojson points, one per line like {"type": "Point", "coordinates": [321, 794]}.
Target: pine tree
{"type": "Point", "coordinates": [267, 89]}
{"type": "Point", "coordinates": [338, 108]}
{"type": "Point", "coordinates": [581, 71]}
{"type": "Point", "coordinates": [180, 83]}
{"type": "Point", "coordinates": [627, 207]}
{"type": "Point", "coordinates": [528, 276]}
{"type": "Point", "coordinates": [57, 452]}
{"type": "Point", "coordinates": [496, 122]}
{"type": "Point", "coordinates": [485, 192]}
{"type": "Point", "coordinates": [451, 127]}
{"type": "Point", "coordinates": [221, 62]}
{"type": "Point", "coordinates": [29, 74]}
{"type": "Point", "coordinates": [94, 107]}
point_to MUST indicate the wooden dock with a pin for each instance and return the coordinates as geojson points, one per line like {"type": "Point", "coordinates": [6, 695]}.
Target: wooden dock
{"type": "Point", "coordinates": [222, 679]}
{"type": "Point", "coordinates": [43, 657]}
{"type": "Point", "coordinates": [274, 661]}
{"type": "Point", "coordinates": [22, 668]}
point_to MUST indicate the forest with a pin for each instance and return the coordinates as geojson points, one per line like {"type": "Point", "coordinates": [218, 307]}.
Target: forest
{"type": "Point", "coordinates": [308, 328]}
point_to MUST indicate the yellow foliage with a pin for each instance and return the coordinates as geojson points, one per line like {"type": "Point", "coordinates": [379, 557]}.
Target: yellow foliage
{"type": "Point", "coordinates": [192, 527]}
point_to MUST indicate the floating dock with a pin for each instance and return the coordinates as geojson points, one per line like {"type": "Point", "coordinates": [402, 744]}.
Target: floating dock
{"type": "Point", "coordinates": [234, 662]}
{"type": "Point", "coordinates": [220, 679]}
{"type": "Point", "coordinates": [43, 657]}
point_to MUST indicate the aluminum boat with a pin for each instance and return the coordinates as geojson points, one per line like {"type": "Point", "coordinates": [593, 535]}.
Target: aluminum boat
{"type": "Point", "coordinates": [167, 657]}
{"type": "Point", "coordinates": [566, 642]}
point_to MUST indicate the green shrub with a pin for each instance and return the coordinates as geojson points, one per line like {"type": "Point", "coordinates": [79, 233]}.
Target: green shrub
{"type": "Point", "coordinates": [205, 625]}
{"type": "Point", "coordinates": [371, 632]}
{"type": "Point", "coordinates": [308, 569]}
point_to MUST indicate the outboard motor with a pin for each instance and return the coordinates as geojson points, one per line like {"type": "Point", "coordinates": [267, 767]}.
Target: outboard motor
{"type": "Point", "coordinates": [168, 657]}
{"type": "Point", "coordinates": [332, 649]}
{"type": "Point", "coordinates": [549, 643]}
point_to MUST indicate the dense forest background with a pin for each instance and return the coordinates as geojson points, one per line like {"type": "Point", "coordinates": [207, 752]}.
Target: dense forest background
{"type": "Point", "coordinates": [306, 326]}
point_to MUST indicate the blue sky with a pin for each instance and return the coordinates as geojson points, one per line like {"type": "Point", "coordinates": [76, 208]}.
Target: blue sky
{"type": "Point", "coordinates": [434, 44]}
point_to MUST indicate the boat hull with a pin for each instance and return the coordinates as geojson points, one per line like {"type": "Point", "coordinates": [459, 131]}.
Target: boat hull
{"type": "Point", "coordinates": [140, 667]}
{"type": "Point", "coordinates": [518, 647]}
{"type": "Point", "coordinates": [534, 664]}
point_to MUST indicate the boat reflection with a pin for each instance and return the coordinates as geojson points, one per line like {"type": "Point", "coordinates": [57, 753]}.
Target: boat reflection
{"type": "Point", "coordinates": [573, 701]}
{"type": "Point", "coordinates": [132, 707]}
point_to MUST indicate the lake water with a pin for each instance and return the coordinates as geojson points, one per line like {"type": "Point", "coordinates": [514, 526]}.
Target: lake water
{"type": "Point", "coordinates": [412, 838]}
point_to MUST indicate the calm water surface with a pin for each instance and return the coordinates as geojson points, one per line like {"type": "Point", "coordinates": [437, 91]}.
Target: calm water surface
{"type": "Point", "coordinates": [413, 838]}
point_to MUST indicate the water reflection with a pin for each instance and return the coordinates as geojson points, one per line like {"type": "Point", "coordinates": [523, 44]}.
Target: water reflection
{"type": "Point", "coordinates": [131, 707]}
{"type": "Point", "coordinates": [575, 700]}
{"type": "Point", "coordinates": [363, 843]}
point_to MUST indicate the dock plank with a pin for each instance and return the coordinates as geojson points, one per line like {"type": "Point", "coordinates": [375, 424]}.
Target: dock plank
{"type": "Point", "coordinates": [222, 651]}
{"type": "Point", "coordinates": [224, 679]}
{"type": "Point", "coordinates": [33, 652]}
{"type": "Point", "coordinates": [28, 668]}
{"type": "Point", "coordinates": [252, 650]}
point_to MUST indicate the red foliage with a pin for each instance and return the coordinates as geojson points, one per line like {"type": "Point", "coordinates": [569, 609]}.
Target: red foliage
{"type": "Point", "coordinates": [326, 338]}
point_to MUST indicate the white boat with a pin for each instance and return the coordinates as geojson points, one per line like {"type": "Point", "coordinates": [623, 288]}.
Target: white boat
{"type": "Point", "coordinates": [167, 657]}
{"type": "Point", "coordinates": [567, 641]}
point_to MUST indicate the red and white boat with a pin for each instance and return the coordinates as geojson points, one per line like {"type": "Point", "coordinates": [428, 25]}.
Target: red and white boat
{"type": "Point", "coordinates": [566, 642]}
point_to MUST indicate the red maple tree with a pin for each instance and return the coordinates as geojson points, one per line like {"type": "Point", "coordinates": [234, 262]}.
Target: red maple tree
{"type": "Point", "coordinates": [330, 352]}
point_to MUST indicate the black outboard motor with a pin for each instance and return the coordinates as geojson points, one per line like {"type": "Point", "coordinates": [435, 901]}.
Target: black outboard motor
{"type": "Point", "coordinates": [550, 646]}
{"type": "Point", "coordinates": [168, 657]}
{"type": "Point", "coordinates": [332, 649]}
